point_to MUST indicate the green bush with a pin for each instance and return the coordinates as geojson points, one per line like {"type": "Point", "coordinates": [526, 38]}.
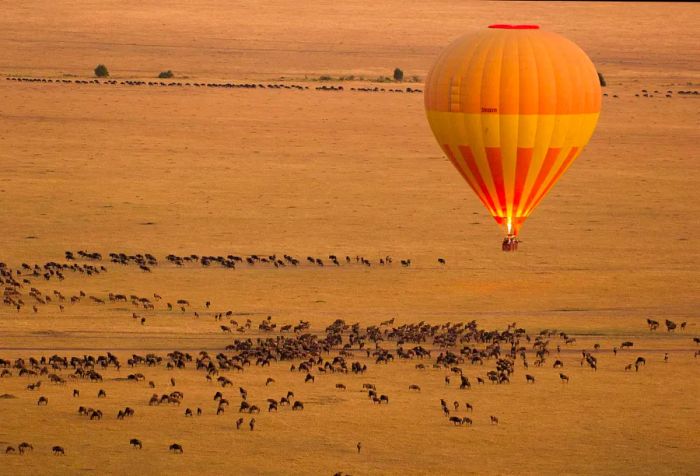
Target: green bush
{"type": "Point", "coordinates": [398, 74]}
{"type": "Point", "coordinates": [101, 71]}
{"type": "Point", "coordinates": [166, 74]}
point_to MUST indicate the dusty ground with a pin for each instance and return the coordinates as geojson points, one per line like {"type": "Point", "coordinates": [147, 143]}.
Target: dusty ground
{"type": "Point", "coordinates": [211, 171]}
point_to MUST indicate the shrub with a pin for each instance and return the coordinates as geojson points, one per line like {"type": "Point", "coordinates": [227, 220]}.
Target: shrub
{"type": "Point", "coordinates": [324, 77]}
{"type": "Point", "coordinates": [166, 74]}
{"type": "Point", "coordinates": [101, 71]}
{"type": "Point", "coordinates": [398, 74]}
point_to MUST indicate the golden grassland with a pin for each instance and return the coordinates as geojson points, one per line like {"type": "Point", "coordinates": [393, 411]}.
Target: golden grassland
{"type": "Point", "coordinates": [215, 171]}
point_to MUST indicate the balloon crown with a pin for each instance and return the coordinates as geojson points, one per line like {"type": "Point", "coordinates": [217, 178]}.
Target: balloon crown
{"type": "Point", "coordinates": [504, 26]}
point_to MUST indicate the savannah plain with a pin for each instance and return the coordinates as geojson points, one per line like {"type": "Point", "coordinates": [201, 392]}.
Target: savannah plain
{"type": "Point", "coordinates": [213, 171]}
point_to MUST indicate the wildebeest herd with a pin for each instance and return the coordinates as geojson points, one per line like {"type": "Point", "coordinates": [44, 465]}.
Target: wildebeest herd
{"type": "Point", "coordinates": [461, 356]}
{"type": "Point", "coordinates": [214, 85]}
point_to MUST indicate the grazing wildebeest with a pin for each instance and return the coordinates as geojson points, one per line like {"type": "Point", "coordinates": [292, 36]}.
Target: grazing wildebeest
{"type": "Point", "coordinates": [58, 450]}
{"type": "Point", "coordinates": [494, 420]}
{"type": "Point", "coordinates": [252, 424]}
{"type": "Point", "coordinates": [467, 421]}
{"type": "Point", "coordinates": [340, 386]}
{"type": "Point", "coordinates": [24, 446]}
{"type": "Point", "coordinates": [101, 394]}
{"type": "Point", "coordinates": [469, 407]}
{"type": "Point", "coordinates": [626, 344]}
{"type": "Point", "coordinates": [564, 378]}
{"type": "Point", "coordinates": [456, 420]}
{"type": "Point", "coordinates": [9, 449]}
{"type": "Point", "coordinates": [441, 260]}
{"type": "Point", "coordinates": [76, 392]}
{"type": "Point", "coordinates": [558, 364]}
{"type": "Point", "coordinates": [384, 398]}
{"type": "Point", "coordinates": [529, 378]}
{"type": "Point", "coordinates": [188, 412]}
{"type": "Point", "coordinates": [309, 378]}
{"type": "Point", "coordinates": [297, 406]}
{"type": "Point", "coordinates": [176, 448]}
{"type": "Point", "coordinates": [239, 422]}
{"type": "Point", "coordinates": [135, 443]}
{"type": "Point", "coordinates": [414, 387]}
{"type": "Point", "coordinates": [42, 401]}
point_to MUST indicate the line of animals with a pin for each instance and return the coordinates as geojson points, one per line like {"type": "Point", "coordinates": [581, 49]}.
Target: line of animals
{"type": "Point", "coordinates": [298, 87]}
{"type": "Point", "coordinates": [14, 280]}
{"type": "Point", "coordinates": [667, 94]}
{"type": "Point", "coordinates": [146, 261]}
{"type": "Point", "coordinates": [336, 350]}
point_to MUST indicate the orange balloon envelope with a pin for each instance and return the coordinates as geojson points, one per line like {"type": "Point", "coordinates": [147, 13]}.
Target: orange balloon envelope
{"type": "Point", "coordinates": [512, 107]}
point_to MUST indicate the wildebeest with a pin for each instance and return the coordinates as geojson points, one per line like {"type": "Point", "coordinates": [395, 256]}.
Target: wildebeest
{"type": "Point", "coordinates": [414, 387]}
{"type": "Point", "coordinates": [297, 406]}
{"type": "Point", "coordinates": [42, 401]}
{"type": "Point", "coordinates": [135, 443]}
{"type": "Point", "coordinates": [24, 446]}
{"type": "Point", "coordinates": [529, 378]}
{"type": "Point", "coordinates": [58, 450]}
{"type": "Point", "coordinates": [563, 378]}
{"type": "Point", "coordinates": [176, 448]}
{"type": "Point", "coordinates": [494, 420]}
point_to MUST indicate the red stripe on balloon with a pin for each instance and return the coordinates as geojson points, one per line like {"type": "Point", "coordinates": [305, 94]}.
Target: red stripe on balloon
{"type": "Point", "coordinates": [493, 155]}
{"type": "Point", "coordinates": [522, 166]}
{"type": "Point", "coordinates": [545, 168]}
{"type": "Point", "coordinates": [462, 171]}
{"type": "Point", "coordinates": [565, 165]}
{"type": "Point", "coordinates": [471, 163]}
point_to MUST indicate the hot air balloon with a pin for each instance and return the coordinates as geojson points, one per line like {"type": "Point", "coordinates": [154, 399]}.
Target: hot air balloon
{"type": "Point", "coordinates": [512, 106]}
